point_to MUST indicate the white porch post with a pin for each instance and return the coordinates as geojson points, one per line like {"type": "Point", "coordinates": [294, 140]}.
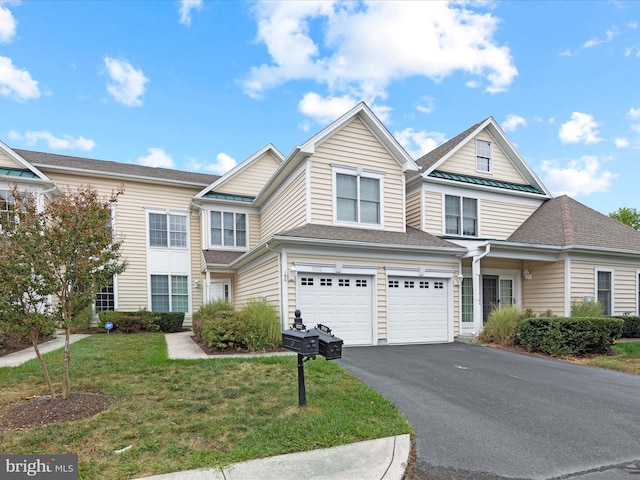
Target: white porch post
{"type": "Point", "coordinates": [477, 297]}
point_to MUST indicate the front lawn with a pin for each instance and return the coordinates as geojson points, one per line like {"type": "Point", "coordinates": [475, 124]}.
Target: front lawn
{"type": "Point", "coordinates": [181, 415]}
{"type": "Point", "coordinates": [627, 360]}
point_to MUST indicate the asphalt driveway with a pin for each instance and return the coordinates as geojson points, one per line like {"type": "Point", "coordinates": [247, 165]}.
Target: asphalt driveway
{"type": "Point", "coordinates": [481, 409]}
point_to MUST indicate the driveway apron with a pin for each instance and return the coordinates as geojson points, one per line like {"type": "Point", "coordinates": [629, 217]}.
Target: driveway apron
{"type": "Point", "coordinates": [481, 409]}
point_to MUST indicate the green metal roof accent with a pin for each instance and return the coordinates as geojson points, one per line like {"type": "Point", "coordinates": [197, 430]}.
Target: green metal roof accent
{"type": "Point", "coordinates": [487, 182]}
{"type": "Point", "coordinates": [228, 196]}
{"type": "Point", "coordinates": [17, 172]}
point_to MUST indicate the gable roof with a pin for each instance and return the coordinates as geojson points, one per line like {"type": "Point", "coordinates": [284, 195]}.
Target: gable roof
{"type": "Point", "coordinates": [238, 169]}
{"type": "Point", "coordinates": [61, 163]}
{"type": "Point", "coordinates": [430, 162]}
{"type": "Point", "coordinates": [28, 171]}
{"type": "Point", "coordinates": [567, 222]}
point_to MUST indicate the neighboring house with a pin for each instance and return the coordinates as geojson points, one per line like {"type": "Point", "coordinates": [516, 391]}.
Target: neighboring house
{"type": "Point", "coordinates": [352, 231]}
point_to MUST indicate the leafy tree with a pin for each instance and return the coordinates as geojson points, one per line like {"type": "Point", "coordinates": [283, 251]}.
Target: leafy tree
{"type": "Point", "coordinates": [66, 251]}
{"type": "Point", "coordinates": [627, 216]}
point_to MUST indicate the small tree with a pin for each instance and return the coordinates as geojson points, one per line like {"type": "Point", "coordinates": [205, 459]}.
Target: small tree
{"type": "Point", "coordinates": [70, 247]}
{"type": "Point", "coordinates": [627, 216]}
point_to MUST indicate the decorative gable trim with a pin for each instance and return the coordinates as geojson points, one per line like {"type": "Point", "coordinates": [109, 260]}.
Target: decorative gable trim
{"type": "Point", "coordinates": [29, 173]}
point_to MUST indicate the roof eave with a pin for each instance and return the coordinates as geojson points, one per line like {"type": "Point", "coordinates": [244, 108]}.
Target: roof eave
{"type": "Point", "coordinates": [540, 196]}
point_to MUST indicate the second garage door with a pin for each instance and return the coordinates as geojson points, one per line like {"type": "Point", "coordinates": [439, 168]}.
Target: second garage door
{"type": "Point", "coordinates": [341, 302]}
{"type": "Point", "coordinates": [417, 310]}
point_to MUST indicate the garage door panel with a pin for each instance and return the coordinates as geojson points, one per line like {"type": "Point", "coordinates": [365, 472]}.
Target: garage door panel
{"type": "Point", "coordinates": [417, 310]}
{"type": "Point", "coordinates": [341, 302]}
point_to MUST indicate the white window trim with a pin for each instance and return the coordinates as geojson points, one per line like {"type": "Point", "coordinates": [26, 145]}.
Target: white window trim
{"type": "Point", "coordinates": [169, 275]}
{"type": "Point", "coordinates": [359, 172]}
{"type": "Point", "coordinates": [167, 211]}
{"type": "Point", "coordinates": [612, 291]}
{"type": "Point", "coordinates": [223, 210]}
{"type": "Point", "coordinates": [444, 215]}
{"type": "Point", "coordinates": [490, 155]}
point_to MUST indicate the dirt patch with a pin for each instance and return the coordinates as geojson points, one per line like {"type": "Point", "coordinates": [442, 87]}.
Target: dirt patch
{"type": "Point", "coordinates": [14, 343]}
{"type": "Point", "coordinates": [38, 411]}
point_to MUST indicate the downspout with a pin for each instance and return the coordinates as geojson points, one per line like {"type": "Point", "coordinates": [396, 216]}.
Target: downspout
{"type": "Point", "coordinates": [477, 304]}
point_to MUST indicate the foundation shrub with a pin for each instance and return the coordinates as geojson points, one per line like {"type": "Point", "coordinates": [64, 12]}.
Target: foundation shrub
{"type": "Point", "coordinates": [585, 309]}
{"type": "Point", "coordinates": [224, 330]}
{"type": "Point", "coordinates": [575, 336]}
{"type": "Point", "coordinates": [169, 322]}
{"type": "Point", "coordinates": [631, 327]}
{"type": "Point", "coordinates": [207, 311]}
{"type": "Point", "coordinates": [502, 325]}
{"type": "Point", "coordinates": [263, 329]}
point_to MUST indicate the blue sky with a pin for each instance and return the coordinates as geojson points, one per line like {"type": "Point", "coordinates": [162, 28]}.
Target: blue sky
{"type": "Point", "coordinates": [201, 86]}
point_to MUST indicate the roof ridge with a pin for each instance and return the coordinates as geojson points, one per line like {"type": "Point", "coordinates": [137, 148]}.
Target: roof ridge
{"type": "Point", "coordinates": [567, 221]}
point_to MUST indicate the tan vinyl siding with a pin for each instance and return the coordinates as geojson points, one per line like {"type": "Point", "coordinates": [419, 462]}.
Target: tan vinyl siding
{"type": "Point", "coordinates": [464, 162]}
{"type": "Point", "coordinates": [251, 180]}
{"type": "Point", "coordinates": [500, 219]}
{"type": "Point", "coordinates": [355, 146]}
{"type": "Point", "coordinates": [583, 283]}
{"type": "Point", "coordinates": [259, 281]}
{"type": "Point", "coordinates": [546, 290]}
{"type": "Point", "coordinates": [6, 161]}
{"type": "Point", "coordinates": [254, 230]}
{"type": "Point", "coordinates": [287, 211]}
{"type": "Point", "coordinates": [414, 213]}
{"type": "Point", "coordinates": [433, 209]}
{"type": "Point", "coordinates": [130, 223]}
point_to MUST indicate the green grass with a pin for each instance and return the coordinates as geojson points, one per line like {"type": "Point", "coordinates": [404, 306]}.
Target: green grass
{"type": "Point", "coordinates": [627, 360]}
{"type": "Point", "coordinates": [180, 415]}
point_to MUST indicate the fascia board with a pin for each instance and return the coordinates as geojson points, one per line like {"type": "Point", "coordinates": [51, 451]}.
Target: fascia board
{"type": "Point", "coordinates": [288, 166]}
{"type": "Point", "coordinates": [241, 167]}
{"type": "Point", "coordinates": [6, 149]}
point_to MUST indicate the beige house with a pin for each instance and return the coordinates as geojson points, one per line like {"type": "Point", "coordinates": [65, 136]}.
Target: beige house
{"type": "Point", "coordinates": [352, 231]}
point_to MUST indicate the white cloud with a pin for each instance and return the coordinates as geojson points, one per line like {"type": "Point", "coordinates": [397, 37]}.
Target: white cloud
{"type": "Point", "coordinates": [430, 39]}
{"type": "Point", "coordinates": [186, 7]}
{"type": "Point", "coordinates": [579, 177]}
{"type": "Point", "coordinates": [427, 105]}
{"type": "Point", "coordinates": [633, 113]}
{"type": "Point", "coordinates": [513, 121]}
{"type": "Point", "coordinates": [157, 158]}
{"type": "Point", "coordinates": [325, 110]}
{"type": "Point", "coordinates": [223, 164]}
{"type": "Point", "coordinates": [610, 35]}
{"type": "Point", "coordinates": [16, 83]}
{"type": "Point", "coordinates": [7, 25]}
{"type": "Point", "coordinates": [581, 128]}
{"type": "Point", "coordinates": [127, 84]}
{"type": "Point", "coordinates": [66, 142]}
{"type": "Point", "coordinates": [417, 143]}
{"type": "Point", "coordinates": [621, 142]}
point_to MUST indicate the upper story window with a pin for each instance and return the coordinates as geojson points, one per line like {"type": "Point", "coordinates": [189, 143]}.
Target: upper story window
{"type": "Point", "coordinates": [228, 229]}
{"type": "Point", "coordinates": [483, 156]}
{"type": "Point", "coordinates": [168, 231]}
{"type": "Point", "coordinates": [6, 202]}
{"type": "Point", "coordinates": [358, 198]}
{"type": "Point", "coordinates": [461, 216]}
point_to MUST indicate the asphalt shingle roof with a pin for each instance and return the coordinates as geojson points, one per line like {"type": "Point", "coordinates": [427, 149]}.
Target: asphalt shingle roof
{"type": "Point", "coordinates": [413, 237]}
{"type": "Point", "coordinates": [220, 257]}
{"type": "Point", "coordinates": [564, 221]}
{"type": "Point", "coordinates": [43, 160]}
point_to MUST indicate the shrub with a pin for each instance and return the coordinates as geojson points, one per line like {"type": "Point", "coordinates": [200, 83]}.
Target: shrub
{"type": "Point", "coordinates": [585, 309]}
{"type": "Point", "coordinates": [130, 322]}
{"type": "Point", "coordinates": [169, 322]}
{"type": "Point", "coordinates": [224, 330]}
{"type": "Point", "coordinates": [207, 311]}
{"type": "Point", "coordinates": [81, 321]}
{"type": "Point", "coordinates": [264, 330]}
{"type": "Point", "coordinates": [631, 327]}
{"type": "Point", "coordinates": [107, 316]}
{"type": "Point", "coordinates": [573, 336]}
{"type": "Point", "coordinates": [502, 326]}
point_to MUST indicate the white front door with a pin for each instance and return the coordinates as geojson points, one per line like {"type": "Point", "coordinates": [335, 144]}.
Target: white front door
{"type": "Point", "coordinates": [219, 290]}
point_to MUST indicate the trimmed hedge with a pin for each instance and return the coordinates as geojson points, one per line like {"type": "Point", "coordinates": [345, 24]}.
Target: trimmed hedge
{"type": "Point", "coordinates": [563, 337]}
{"type": "Point", "coordinates": [142, 321]}
{"type": "Point", "coordinates": [631, 328]}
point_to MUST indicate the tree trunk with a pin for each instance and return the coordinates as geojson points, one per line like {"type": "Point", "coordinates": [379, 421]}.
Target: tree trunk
{"type": "Point", "coordinates": [66, 386]}
{"type": "Point", "coordinates": [43, 365]}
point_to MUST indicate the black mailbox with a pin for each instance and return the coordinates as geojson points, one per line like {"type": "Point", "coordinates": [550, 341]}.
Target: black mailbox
{"type": "Point", "coordinates": [301, 341]}
{"type": "Point", "coordinates": [330, 346]}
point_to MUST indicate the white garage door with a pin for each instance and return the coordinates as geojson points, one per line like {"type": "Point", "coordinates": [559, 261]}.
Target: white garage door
{"type": "Point", "coordinates": [417, 310]}
{"type": "Point", "coordinates": [341, 302]}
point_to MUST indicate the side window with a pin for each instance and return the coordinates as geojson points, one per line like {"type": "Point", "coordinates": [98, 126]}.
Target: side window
{"type": "Point", "coordinates": [483, 156]}
{"type": "Point", "coordinates": [604, 291]}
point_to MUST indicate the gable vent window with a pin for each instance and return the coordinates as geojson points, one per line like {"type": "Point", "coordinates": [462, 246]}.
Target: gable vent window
{"type": "Point", "coordinates": [461, 216]}
{"type": "Point", "coordinates": [483, 156]}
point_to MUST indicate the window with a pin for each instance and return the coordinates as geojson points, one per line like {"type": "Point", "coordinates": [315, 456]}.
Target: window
{"type": "Point", "coordinates": [357, 199]}
{"type": "Point", "coordinates": [467, 300]}
{"type": "Point", "coordinates": [169, 293]}
{"type": "Point", "coordinates": [168, 231]}
{"type": "Point", "coordinates": [6, 201]}
{"type": "Point", "coordinates": [604, 292]}
{"type": "Point", "coordinates": [228, 229]}
{"type": "Point", "coordinates": [483, 156]}
{"type": "Point", "coordinates": [457, 208]}
{"type": "Point", "coordinates": [105, 299]}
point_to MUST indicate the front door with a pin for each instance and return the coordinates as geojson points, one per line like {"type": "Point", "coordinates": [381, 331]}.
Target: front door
{"type": "Point", "coordinates": [497, 291]}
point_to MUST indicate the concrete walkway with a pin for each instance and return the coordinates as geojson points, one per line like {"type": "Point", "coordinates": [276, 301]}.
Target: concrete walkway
{"type": "Point", "coordinates": [379, 459]}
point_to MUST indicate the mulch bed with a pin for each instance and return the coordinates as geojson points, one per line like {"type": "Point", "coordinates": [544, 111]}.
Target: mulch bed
{"type": "Point", "coordinates": [215, 351]}
{"type": "Point", "coordinates": [14, 343]}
